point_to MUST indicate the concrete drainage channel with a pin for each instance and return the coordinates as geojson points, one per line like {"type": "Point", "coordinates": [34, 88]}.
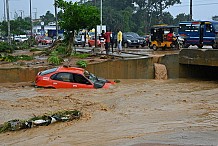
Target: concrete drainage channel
{"type": "Point", "coordinates": [186, 64]}
{"type": "Point", "coordinates": [128, 68]}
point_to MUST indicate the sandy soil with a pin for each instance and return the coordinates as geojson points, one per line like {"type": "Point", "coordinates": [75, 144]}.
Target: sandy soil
{"type": "Point", "coordinates": [133, 112]}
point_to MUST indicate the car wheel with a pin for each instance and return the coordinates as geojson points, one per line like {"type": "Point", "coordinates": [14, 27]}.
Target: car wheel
{"type": "Point", "coordinates": [200, 46]}
{"type": "Point", "coordinates": [172, 45]}
{"type": "Point", "coordinates": [90, 45]}
{"type": "Point", "coordinates": [215, 46]}
{"type": "Point", "coordinates": [137, 46]}
{"type": "Point", "coordinates": [154, 47]}
{"type": "Point", "coordinates": [186, 46]}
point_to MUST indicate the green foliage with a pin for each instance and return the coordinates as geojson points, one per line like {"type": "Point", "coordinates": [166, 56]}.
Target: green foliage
{"type": "Point", "coordinates": [124, 16]}
{"type": "Point", "coordinates": [35, 50]}
{"type": "Point", "coordinates": [82, 63]}
{"type": "Point", "coordinates": [81, 56]}
{"type": "Point", "coordinates": [10, 58]}
{"type": "Point", "coordinates": [4, 47]}
{"type": "Point", "coordinates": [61, 49]}
{"type": "Point", "coordinates": [48, 17]}
{"type": "Point", "coordinates": [117, 81]}
{"type": "Point", "coordinates": [5, 127]}
{"type": "Point", "coordinates": [75, 16]}
{"type": "Point", "coordinates": [17, 26]}
{"type": "Point", "coordinates": [54, 58]}
{"type": "Point", "coordinates": [21, 46]}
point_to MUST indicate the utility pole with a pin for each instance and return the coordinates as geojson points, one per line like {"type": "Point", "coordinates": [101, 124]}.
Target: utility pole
{"type": "Point", "coordinates": [35, 13]}
{"type": "Point", "coordinates": [101, 18]}
{"type": "Point", "coordinates": [4, 11]}
{"type": "Point", "coordinates": [56, 19]}
{"type": "Point", "coordinates": [190, 10]}
{"type": "Point", "coordinates": [8, 19]}
{"type": "Point", "coordinates": [31, 23]}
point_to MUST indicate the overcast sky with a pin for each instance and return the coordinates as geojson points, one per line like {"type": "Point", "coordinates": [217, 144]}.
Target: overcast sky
{"type": "Point", "coordinates": [202, 9]}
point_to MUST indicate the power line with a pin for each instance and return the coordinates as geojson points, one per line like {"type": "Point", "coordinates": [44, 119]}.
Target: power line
{"type": "Point", "coordinates": [197, 5]}
{"type": "Point", "coordinates": [187, 2]}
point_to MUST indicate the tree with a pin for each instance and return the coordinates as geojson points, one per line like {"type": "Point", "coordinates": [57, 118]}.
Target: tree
{"type": "Point", "coordinates": [181, 17]}
{"type": "Point", "coordinates": [18, 26]}
{"type": "Point", "coordinates": [48, 17]}
{"type": "Point", "coordinates": [76, 16]}
{"type": "Point", "coordinates": [142, 14]}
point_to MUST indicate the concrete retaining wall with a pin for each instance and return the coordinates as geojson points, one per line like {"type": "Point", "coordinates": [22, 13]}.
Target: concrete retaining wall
{"type": "Point", "coordinates": [19, 74]}
{"type": "Point", "coordinates": [199, 57]}
{"type": "Point", "coordinates": [120, 69]}
{"type": "Point", "coordinates": [135, 68]}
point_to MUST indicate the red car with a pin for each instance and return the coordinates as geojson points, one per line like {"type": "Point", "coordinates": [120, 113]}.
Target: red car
{"type": "Point", "coordinates": [46, 40]}
{"type": "Point", "coordinates": [70, 77]}
{"type": "Point", "coordinates": [91, 42]}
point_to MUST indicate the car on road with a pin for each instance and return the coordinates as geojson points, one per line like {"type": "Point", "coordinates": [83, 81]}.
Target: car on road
{"type": "Point", "coordinates": [91, 42]}
{"type": "Point", "coordinates": [130, 41]}
{"type": "Point", "coordinates": [70, 77]}
{"type": "Point", "coordinates": [142, 40]}
{"type": "Point", "coordinates": [78, 41]}
{"type": "Point", "coordinates": [46, 40]}
{"type": "Point", "coordinates": [20, 38]}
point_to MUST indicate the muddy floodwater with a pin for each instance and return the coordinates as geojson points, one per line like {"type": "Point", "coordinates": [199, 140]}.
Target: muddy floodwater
{"type": "Point", "coordinates": [133, 112]}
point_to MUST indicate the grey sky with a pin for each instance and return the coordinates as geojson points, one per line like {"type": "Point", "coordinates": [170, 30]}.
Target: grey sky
{"type": "Point", "coordinates": [202, 9]}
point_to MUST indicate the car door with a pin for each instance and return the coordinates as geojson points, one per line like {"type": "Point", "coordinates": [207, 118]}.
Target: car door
{"type": "Point", "coordinates": [62, 80]}
{"type": "Point", "coordinates": [82, 82]}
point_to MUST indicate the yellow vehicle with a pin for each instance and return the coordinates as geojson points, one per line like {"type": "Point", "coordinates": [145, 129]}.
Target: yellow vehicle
{"type": "Point", "coordinates": [162, 36]}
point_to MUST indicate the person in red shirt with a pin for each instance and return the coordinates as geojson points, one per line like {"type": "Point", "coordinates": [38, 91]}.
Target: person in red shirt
{"type": "Point", "coordinates": [107, 41]}
{"type": "Point", "coordinates": [170, 36]}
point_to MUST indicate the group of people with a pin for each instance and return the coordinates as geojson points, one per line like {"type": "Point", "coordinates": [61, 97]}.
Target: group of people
{"type": "Point", "coordinates": [108, 38]}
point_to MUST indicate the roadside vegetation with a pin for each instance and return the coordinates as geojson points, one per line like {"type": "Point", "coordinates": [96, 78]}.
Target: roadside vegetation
{"type": "Point", "coordinates": [7, 50]}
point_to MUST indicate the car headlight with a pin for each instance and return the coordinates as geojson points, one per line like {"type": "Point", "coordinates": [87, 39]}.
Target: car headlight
{"type": "Point", "coordinates": [129, 41]}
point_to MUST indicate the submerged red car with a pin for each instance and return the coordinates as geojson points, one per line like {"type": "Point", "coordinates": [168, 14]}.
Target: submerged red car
{"type": "Point", "coordinates": [70, 77]}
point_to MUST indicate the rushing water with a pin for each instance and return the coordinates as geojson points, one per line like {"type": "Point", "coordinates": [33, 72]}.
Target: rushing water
{"type": "Point", "coordinates": [181, 111]}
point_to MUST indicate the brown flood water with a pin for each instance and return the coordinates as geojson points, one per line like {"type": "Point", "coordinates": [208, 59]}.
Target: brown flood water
{"type": "Point", "coordinates": [133, 112]}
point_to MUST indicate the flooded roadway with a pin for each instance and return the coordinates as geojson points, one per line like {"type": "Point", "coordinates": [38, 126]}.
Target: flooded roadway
{"type": "Point", "coordinates": [180, 112]}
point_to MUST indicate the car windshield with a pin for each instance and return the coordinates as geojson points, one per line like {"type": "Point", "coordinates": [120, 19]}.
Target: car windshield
{"type": "Point", "coordinates": [47, 38]}
{"type": "Point", "coordinates": [90, 76]}
{"type": "Point", "coordinates": [133, 34]}
{"type": "Point", "coordinates": [48, 71]}
{"type": "Point", "coordinates": [129, 36]}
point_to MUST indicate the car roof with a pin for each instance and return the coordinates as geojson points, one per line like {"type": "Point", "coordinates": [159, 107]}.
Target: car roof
{"type": "Point", "coordinates": [70, 69]}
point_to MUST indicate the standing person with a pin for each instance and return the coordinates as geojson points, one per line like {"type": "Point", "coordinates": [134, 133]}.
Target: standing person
{"type": "Point", "coordinates": [102, 40]}
{"type": "Point", "coordinates": [107, 36]}
{"type": "Point", "coordinates": [83, 39]}
{"type": "Point", "coordinates": [119, 42]}
{"type": "Point", "coordinates": [112, 41]}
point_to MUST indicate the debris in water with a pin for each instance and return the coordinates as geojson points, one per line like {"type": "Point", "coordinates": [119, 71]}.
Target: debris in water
{"type": "Point", "coordinates": [45, 120]}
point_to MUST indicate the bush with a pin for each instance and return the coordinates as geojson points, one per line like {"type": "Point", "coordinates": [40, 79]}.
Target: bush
{"type": "Point", "coordinates": [81, 56]}
{"type": "Point", "coordinates": [61, 49]}
{"type": "Point", "coordinates": [10, 58]}
{"type": "Point", "coordinates": [54, 58]}
{"type": "Point", "coordinates": [82, 63]}
{"type": "Point", "coordinates": [5, 47]}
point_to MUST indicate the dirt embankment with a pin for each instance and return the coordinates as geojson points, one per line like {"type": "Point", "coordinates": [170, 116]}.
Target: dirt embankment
{"type": "Point", "coordinates": [180, 112]}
